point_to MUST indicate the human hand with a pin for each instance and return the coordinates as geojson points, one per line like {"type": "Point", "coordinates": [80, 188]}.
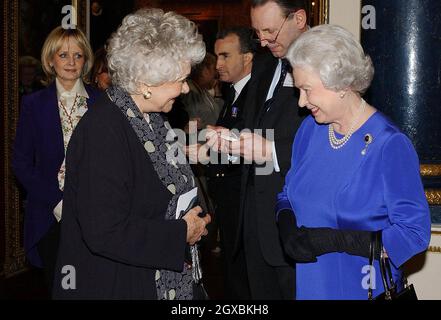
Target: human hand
{"type": "Point", "coordinates": [295, 240]}
{"type": "Point", "coordinates": [214, 138]}
{"type": "Point", "coordinates": [196, 226]}
{"type": "Point", "coordinates": [252, 147]}
{"type": "Point", "coordinates": [197, 153]}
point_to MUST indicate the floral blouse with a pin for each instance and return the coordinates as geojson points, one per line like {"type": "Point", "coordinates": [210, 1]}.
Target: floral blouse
{"type": "Point", "coordinates": [72, 106]}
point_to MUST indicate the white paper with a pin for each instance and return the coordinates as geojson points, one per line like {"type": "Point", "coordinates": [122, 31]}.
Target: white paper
{"type": "Point", "coordinates": [232, 137]}
{"type": "Point", "coordinates": [184, 201]}
{"type": "Point", "coordinates": [289, 81]}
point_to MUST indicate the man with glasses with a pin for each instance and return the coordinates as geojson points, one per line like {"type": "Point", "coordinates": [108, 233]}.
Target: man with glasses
{"type": "Point", "coordinates": [272, 104]}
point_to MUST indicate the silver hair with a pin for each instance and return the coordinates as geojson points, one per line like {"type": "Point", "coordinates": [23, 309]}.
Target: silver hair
{"type": "Point", "coordinates": [152, 47]}
{"type": "Point", "coordinates": [335, 54]}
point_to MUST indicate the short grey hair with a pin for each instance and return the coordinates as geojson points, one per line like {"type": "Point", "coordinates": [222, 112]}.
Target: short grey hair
{"type": "Point", "coordinates": [152, 47]}
{"type": "Point", "coordinates": [335, 54]}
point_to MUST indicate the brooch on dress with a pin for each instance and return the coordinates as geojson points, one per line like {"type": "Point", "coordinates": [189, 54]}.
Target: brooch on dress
{"type": "Point", "coordinates": [367, 140]}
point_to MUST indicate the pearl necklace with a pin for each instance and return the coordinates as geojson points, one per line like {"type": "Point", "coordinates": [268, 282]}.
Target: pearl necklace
{"type": "Point", "coordinates": [339, 143]}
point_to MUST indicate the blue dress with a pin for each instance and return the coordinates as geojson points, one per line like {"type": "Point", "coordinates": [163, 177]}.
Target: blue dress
{"type": "Point", "coordinates": [344, 189]}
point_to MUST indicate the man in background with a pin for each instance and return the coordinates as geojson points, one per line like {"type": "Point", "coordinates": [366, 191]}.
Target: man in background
{"type": "Point", "coordinates": [235, 50]}
{"type": "Point", "coordinates": [272, 107]}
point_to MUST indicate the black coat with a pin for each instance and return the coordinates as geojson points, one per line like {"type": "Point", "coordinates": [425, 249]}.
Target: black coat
{"type": "Point", "coordinates": [285, 118]}
{"type": "Point", "coordinates": [113, 229]}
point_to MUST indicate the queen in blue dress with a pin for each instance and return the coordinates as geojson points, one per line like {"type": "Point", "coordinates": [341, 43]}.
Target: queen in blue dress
{"type": "Point", "coordinates": [353, 173]}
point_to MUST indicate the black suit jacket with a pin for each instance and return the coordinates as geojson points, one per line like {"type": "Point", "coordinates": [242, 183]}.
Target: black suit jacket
{"type": "Point", "coordinates": [113, 230]}
{"type": "Point", "coordinates": [227, 120]}
{"type": "Point", "coordinates": [284, 118]}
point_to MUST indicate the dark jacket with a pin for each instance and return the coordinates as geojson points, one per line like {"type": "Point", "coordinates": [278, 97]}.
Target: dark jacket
{"type": "Point", "coordinates": [113, 230]}
{"type": "Point", "coordinates": [38, 155]}
{"type": "Point", "coordinates": [285, 118]}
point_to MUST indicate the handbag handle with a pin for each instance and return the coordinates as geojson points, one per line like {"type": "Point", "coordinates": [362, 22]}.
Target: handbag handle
{"type": "Point", "coordinates": [371, 264]}
{"type": "Point", "coordinates": [385, 270]}
{"type": "Point", "coordinates": [390, 288]}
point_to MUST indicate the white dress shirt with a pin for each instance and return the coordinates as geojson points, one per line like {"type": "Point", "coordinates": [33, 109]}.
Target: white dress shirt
{"type": "Point", "coordinates": [276, 78]}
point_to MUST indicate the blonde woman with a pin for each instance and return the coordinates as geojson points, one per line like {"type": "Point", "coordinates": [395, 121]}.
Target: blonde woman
{"type": "Point", "coordinates": [47, 120]}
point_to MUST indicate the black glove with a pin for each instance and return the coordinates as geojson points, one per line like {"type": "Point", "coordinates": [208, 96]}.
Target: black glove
{"type": "Point", "coordinates": [295, 241]}
{"type": "Point", "coordinates": [354, 242]}
{"type": "Point", "coordinates": [286, 222]}
{"type": "Point", "coordinates": [306, 244]}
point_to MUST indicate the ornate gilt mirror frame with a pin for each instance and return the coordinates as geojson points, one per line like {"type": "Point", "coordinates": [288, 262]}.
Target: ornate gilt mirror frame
{"type": "Point", "coordinates": [14, 255]}
{"type": "Point", "coordinates": [432, 171]}
{"type": "Point", "coordinates": [323, 11]}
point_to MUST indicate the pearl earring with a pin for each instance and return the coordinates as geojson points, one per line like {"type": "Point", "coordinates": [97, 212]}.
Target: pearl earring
{"type": "Point", "coordinates": [342, 95]}
{"type": "Point", "coordinates": [147, 95]}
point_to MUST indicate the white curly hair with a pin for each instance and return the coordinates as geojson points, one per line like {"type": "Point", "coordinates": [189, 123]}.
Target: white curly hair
{"type": "Point", "coordinates": [335, 54]}
{"type": "Point", "coordinates": [152, 47]}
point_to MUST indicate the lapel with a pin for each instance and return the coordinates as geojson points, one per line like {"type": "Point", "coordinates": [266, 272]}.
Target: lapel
{"type": "Point", "coordinates": [50, 115]}
{"type": "Point", "coordinates": [93, 94]}
{"type": "Point", "coordinates": [228, 95]}
{"type": "Point", "coordinates": [240, 101]}
{"type": "Point", "coordinates": [266, 78]}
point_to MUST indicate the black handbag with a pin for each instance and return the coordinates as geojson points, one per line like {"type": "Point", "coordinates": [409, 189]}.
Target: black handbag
{"type": "Point", "coordinates": [390, 288]}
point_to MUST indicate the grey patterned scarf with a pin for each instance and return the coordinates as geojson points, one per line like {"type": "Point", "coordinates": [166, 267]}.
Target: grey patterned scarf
{"type": "Point", "coordinates": [156, 136]}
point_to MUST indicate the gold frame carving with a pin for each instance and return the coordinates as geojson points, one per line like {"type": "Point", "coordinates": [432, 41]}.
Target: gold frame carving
{"type": "Point", "coordinates": [318, 12]}
{"type": "Point", "coordinates": [81, 8]}
{"type": "Point", "coordinates": [434, 249]}
{"type": "Point", "coordinates": [430, 170]}
{"type": "Point", "coordinates": [324, 11]}
{"type": "Point", "coordinates": [15, 261]}
{"type": "Point", "coordinates": [433, 196]}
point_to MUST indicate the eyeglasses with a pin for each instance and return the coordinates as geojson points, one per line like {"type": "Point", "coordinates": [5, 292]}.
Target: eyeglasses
{"type": "Point", "coordinates": [278, 32]}
{"type": "Point", "coordinates": [272, 41]}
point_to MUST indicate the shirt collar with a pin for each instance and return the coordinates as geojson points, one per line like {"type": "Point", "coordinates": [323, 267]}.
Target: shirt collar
{"type": "Point", "coordinates": [78, 89]}
{"type": "Point", "coordinates": [239, 85]}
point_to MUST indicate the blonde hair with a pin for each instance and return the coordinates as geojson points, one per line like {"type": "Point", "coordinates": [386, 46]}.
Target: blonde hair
{"type": "Point", "coordinates": [54, 42]}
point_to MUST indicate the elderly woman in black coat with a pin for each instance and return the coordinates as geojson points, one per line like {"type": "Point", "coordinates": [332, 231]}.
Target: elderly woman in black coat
{"type": "Point", "coordinates": [121, 235]}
